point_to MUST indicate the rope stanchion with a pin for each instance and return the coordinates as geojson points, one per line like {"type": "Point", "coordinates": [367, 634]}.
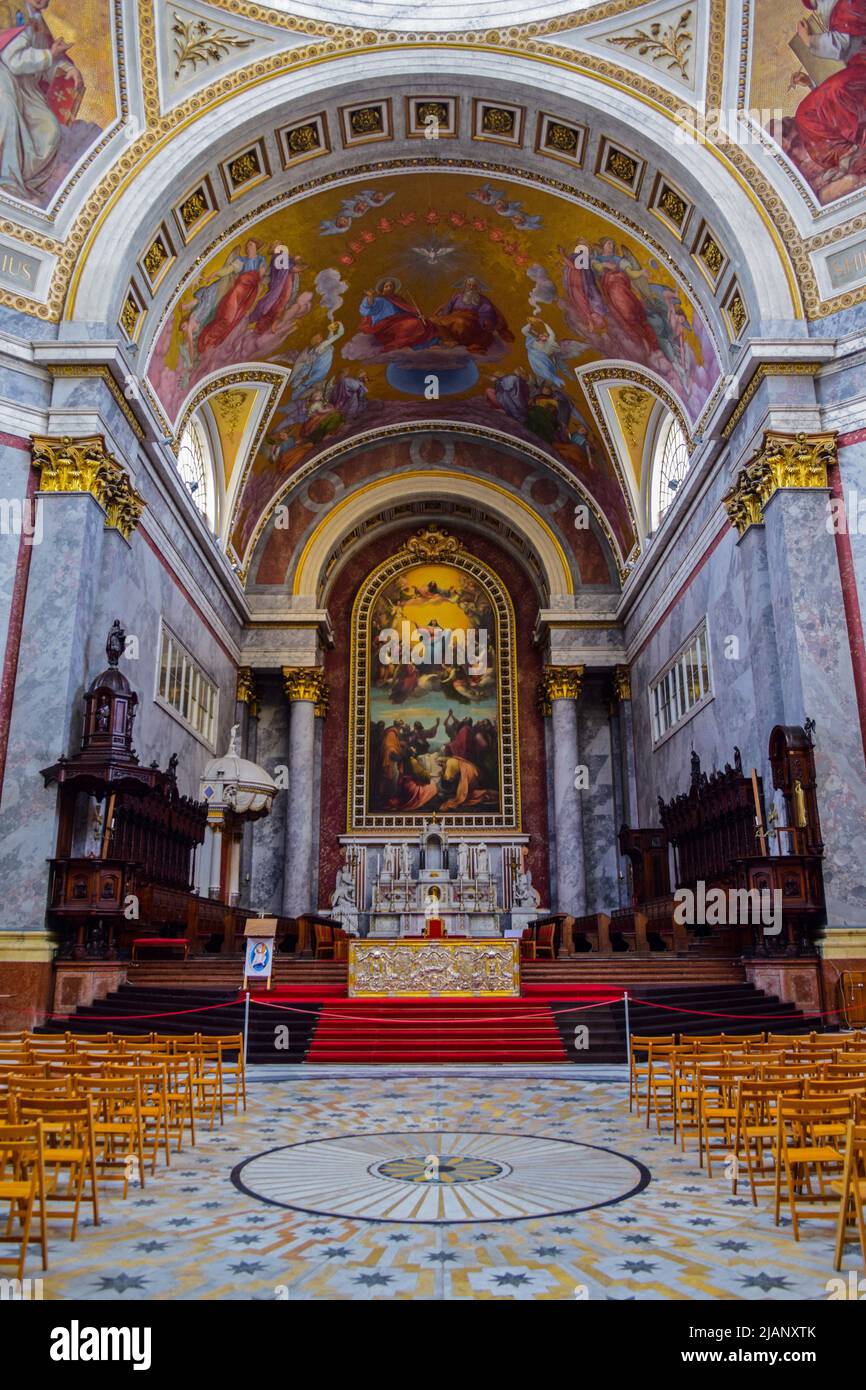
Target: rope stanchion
{"type": "Point", "coordinates": [135, 1018]}
{"type": "Point", "coordinates": [383, 1018]}
{"type": "Point", "coordinates": [246, 1024]}
{"type": "Point", "coordinates": [751, 1018]}
{"type": "Point", "coordinates": [627, 1031]}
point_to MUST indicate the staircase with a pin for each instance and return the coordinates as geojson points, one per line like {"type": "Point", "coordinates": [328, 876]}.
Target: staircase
{"type": "Point", "coordinates": [551, 1023]}
{"type": "Point", "coordinates": [274, 1035]}
{"type": "Point", "coordinates": [437, 1030]}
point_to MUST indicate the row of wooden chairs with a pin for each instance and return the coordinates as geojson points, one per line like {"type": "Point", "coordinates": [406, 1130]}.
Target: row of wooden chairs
{"type": "Point", "coordinates": [790, 1111]}
{"type": "Point", "coordinates": [79, 1111]}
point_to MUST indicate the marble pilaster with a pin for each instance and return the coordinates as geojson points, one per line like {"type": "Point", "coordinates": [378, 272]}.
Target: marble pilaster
{"type": "Point", "coordinates": [817, 681]}
{"type": "Point", "coordinates": [307, 693]}
{"type": "Point", "coordinates": [562, 687]}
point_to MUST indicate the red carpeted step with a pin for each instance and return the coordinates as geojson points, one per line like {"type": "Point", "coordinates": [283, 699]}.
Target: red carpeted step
{"type": "Point", "coordinates": [436, 1030]}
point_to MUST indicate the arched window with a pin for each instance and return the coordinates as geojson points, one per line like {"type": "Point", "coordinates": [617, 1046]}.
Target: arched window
{"type": "Point", "coordinates": [195, 463]}
{"type": "Point", "coordinates": [670, 465]}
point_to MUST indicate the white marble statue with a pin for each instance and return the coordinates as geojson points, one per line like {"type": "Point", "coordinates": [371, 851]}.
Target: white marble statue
{"type": "Point", "coordinates": [482, 862]}
{"type": "Point", "coordinates": [462, 860]}
{"type": "Point", "coordinates": [405, 862]}
{"type": "Point", "coordinates": [525, 896]}
{"type": "Point", "coordinates": [389, 862]}
{"type": "Point", "coordinates": [343, 905]}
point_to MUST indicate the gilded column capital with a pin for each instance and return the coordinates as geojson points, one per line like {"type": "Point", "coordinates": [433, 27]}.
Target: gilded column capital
{"type": "Point", "coordinates": [85, 465]}
{"type": "Point", "coordinates": [783, 461]}
{"type": "Point", "coordinates": [307, 683]}
{"type": "Point", "coordinates": [621, 683]}
{"type": "Point", "coordinates": [246, 690]}
{"type": "Point", "coordinates": [559, 683]}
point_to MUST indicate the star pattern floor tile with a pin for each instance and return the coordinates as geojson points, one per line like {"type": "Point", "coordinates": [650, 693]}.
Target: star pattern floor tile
{"type": "Point", "coordinates": [441, 1185]}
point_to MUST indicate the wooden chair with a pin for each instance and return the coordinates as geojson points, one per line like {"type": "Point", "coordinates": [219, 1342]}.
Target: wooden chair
{"type": "Point", "coordinates": [207, 1078]}
{"type": "Point", "coordinates": [544, 940]}
{"type": "Point", "coordinates": [153, 1079]}
{"type": "Point", "coordinates": [181, 1097]}
{"type": "Point", "coordinates": [661, 1055]}
{"type": "Point", "coordinates": [804, 1150]}
{"type": "Point", "coordinates": [717, 1110]}
{"type": "Point", "coordinates": [22, 1185]}
{"type": "Point", "coordinates": [117, 1127]}
{"type": "Point", "coordinates": [70, 1148]}
{"type": "Point", "coordinates": [324, 939]}
{"type": "Point", "coordinates": [638, 1071]}
{"type": "Point", "coordinates": [852, 1193]}
{"type": "Point", "coordinates": [755, 1129]}
{"type": "Point", "coordinates": [236, 1069]}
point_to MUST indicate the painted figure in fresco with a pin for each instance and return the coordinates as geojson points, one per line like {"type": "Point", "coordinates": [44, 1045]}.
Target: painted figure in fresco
{"type": "Point", "coordinates": [582, 291]}
{"type": "Point", "coordinates": [510, 392]}
{"type": "Point", "coordinates": [393, 322]}
{"type": "Point", "coordinates": [470, 319]}
{"type": "Point", "coordinates": [616, 271]}
{"type": "Point", "coordinates": [245, 268]}
{"type": "Point", "coordinates": [284, 279]}
{"type": "Point", "coordinates": [39, 89]}
{"type": "Point", "coordinates": [314, 363]}
{"type": "Point", "coordinates": [349, 392]}
{"type": "Point", "coordinates": [831, 120]}
{"type": "Point", "coordinates": [548, 358]}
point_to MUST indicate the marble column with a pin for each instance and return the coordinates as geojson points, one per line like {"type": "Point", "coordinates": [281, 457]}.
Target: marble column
{"type": "Point", "coordinates": [246, 716]}
{"type": "Point", "coordinates": [625, 781]}
{"type": "Point", "coordinates": [215, 832]}
{"type": "Point", "coordinates": [307, 693]}
{"type": "Point", "coordinates": [560, 690]}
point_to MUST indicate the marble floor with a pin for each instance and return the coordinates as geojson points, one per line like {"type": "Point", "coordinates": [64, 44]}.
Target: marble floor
{"type": "Point", "coordinates": [471, 1183]}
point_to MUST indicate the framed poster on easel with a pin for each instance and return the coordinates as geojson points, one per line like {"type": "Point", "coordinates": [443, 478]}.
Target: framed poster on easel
{"type": "Point", "coordinates": [259, 934]}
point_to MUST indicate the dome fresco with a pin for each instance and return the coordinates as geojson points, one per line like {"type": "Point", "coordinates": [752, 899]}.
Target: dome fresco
{"type": "Point", "coordinates": [433, 296]}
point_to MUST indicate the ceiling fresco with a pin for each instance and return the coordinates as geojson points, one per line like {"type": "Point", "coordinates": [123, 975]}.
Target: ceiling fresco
{"type": "Point", "coordinates": [53, 109]}
{"type": "Point", "coordinates": [433, 297]}
{"type": "Point", "coordinates": [808, 80]}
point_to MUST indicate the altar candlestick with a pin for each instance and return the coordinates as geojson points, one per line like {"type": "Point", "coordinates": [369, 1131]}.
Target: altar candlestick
{"type": "Point", "coordinates": [759, 819]}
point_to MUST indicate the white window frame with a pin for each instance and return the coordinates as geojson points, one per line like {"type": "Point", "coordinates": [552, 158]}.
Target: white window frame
{"type": "Point", "coordinates": [657, 513]}
{"type": "Point", "coordinates": [670, 693]}
{"type": "Point", "coordinates": [207, 502]}
{"type": "Point", "coordinates": [193, 682]}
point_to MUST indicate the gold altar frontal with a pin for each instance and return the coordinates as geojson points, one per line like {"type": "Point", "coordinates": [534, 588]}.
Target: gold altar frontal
{"type": "Point", "coordinates": [434, 969]}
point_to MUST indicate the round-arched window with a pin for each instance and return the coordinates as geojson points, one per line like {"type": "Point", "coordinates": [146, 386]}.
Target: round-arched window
{"type": "Point", "coordinates": [195, 465]}
{"type": "Point", "coordinates": [670, 465]}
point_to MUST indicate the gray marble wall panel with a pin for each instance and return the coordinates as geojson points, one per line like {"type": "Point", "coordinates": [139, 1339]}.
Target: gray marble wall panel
{"type": "Point", "coordinates": [269, 834]}
{"type": "Point", "coordinates": [599, 820]}
{"type": "Point", "coordinates": [14, 473]}
{"type": "Point", "coordinates": [716, 593]}
{"type": "Point", "coordinates": [52, 671]}
{"type": "Point", "coordinates": [817, 681]}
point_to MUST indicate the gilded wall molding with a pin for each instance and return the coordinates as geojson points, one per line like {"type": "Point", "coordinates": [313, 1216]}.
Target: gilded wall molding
{"type": "Point", "coordinates": [765, 370]}
{"type": "Point", "coordinates": [103, 373]}
{"type": "Point", "coordinates": [783, 461]}
{"type": "Point", "coordinates": [85, 465]}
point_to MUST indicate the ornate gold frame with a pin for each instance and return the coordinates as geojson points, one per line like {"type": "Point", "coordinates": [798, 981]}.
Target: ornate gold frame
{"type": "Point", "coordinates": [358, 818]}
{"type": "Point", "coordinates": [508, 948]}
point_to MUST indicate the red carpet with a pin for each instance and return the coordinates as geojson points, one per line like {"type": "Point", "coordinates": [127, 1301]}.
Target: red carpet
{"type": "Point", "coordinates": [436, 1030]}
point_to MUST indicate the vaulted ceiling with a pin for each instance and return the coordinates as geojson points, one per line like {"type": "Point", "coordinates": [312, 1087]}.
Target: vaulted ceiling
{"type": "Point", "coordinates": [245, 196]}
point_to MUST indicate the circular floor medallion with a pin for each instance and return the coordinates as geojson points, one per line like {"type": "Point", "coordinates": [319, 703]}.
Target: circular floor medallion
{"type": "Point", "coordinates": [440, 1176]}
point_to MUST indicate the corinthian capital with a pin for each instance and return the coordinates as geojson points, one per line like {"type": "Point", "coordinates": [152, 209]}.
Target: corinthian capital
{"type": "Point", "coordinates": [307, 683]}
{"type": "Point", "coordinates": [559, 683]}
{"type": "Point", "coordinates": [85, 465]}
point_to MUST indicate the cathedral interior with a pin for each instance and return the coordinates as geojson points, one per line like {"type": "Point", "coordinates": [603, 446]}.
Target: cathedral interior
{"type": "Point", "coordinates": [433, 473]}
